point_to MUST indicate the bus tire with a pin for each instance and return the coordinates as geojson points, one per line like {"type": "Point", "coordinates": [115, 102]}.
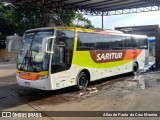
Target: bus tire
{"type": "Point", "coordinates": [135, 69]}
{"type": "Point", "coordinates": [82, 81]}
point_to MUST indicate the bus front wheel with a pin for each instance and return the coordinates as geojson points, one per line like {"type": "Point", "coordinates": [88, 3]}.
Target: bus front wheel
{"type": "Point", "coordinates": [82, 81]}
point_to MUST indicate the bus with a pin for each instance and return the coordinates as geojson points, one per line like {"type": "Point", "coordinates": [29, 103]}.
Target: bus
{"type": "Point", "coordinates": [52, 58]}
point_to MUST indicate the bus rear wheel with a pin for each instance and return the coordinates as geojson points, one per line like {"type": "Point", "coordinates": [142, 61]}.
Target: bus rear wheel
{"type": "Point", "coordinates": [82, 81]}
{"type": "Point", "coordinates": [135, 69]}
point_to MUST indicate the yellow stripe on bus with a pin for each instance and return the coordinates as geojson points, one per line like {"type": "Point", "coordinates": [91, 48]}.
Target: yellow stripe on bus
{"type": "Point", "coordinates": [83, 58]}
{"type": "Point", "coordinates": [75, 29]}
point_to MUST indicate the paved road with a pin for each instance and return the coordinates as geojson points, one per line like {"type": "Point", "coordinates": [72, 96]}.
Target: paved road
{"type": "Point", "coordinates": [121, 93]}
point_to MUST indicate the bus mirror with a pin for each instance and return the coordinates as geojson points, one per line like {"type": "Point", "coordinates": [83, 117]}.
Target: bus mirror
{"type": "Point", "coordinates": [10, 46]}
{"type": "Point", "coordinates": [45, 44]}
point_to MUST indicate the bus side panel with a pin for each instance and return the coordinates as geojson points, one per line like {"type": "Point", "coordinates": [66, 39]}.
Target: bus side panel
{"type": "Point", "coordinates": [141, 59]}
{"type": "Point", "coordinates": [64, 78]}
{"type": "Point", "coordinates": [83, 60]}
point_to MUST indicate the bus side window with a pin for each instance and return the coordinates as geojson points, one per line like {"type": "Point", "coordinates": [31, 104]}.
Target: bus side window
{"type": "Point", "coordinates": [137, 42]}
{"type": "Point", "coordinates": [103, 43]}
{"type": "Point", "coordinates": [125, 42]}
{"type": "Point", "coordinates": [116, 42]}
{"type": "Point", "coordinates": [86, 41]}
{"type": "Point", "coordinates": [143, 43]}
{"type": "Point", "coordinates": [130, 43]}
{"type": "Point", "coordinates": [134, 43]}
{"type": "Point", "coordinates": [62, 57]}
{"type": "Point", "coordinates": [59, 56]}
{"type": "Point", "coordinates": [58, 59]}
{"type": "Point", "coordinates": [55, 59]}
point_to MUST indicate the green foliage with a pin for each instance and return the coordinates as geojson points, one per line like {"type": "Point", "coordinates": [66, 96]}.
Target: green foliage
{"type": "Point", "coordinates": [69, 18]}
{"type": "Point", "coordinates": [7, 26]}
{"type": "Point", "coordinates": [26, 17]}
{"type": "Point", "coordinates": [17, 19]}
{"type": "Point", "coordinates": [85, 22]}
{"type": "Point", "coordinates": [66, 18]}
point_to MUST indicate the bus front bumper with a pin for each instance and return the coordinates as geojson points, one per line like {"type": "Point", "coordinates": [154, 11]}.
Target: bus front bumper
{"type": "Point", "coordinates": [38, 84]}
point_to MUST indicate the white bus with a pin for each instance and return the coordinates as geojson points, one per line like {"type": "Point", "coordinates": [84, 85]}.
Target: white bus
{"type": "Point", "coordinates": [58, 57]}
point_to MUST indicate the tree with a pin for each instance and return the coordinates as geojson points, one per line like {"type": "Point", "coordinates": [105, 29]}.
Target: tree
{"type": "Point", "coordinates": [84, 22]}
{"type": "Point", "coordinates": [17, 19]}
{"type": "Point", "coordinates": [7, 26]}
{"type": "Point", "coordinates": [69, 18]}
{"type": "Point", "coordinates": [28, 17]}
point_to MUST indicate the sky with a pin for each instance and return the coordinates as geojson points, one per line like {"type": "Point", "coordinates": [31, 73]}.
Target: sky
{"type": "Point", "coordinates": [133, 19]}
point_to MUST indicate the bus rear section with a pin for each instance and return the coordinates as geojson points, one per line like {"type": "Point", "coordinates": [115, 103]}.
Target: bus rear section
{"type": "Point", "coordinates": [104, 54]}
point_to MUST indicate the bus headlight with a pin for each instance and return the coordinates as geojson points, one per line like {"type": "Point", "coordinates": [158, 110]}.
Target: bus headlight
{"type": "Point", "coordinates": [41, 77]}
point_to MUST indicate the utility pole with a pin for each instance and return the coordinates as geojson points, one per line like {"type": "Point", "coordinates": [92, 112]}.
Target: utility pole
{"type": "Point", "coordinates": [102, 19]}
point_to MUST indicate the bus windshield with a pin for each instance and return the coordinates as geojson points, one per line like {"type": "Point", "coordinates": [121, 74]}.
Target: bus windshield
{"type": "Point", "coordinates": [30, 54]}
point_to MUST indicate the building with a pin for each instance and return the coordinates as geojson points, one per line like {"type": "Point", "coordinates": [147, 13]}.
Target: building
{"type": "Point", "coordinates": [12, 56]}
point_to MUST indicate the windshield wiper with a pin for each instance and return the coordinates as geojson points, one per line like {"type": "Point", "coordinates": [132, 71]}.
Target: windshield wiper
{"type": "Point", "coordinates": [31, 62]}
{"type": "Point", "coordinates": [27, 60]}
{"type": "Point", "coordinates": [24, 61]}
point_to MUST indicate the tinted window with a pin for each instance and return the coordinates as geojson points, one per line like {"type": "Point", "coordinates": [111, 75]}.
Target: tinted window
{"type": "Point", "coordinates": [87, 41]}
{"type": "Point", "coordinates": [116, 42]}
{"type": "Point", "coordinates": [67, 37]}
{"type": "Point", "coordinates": [135, 43]}
{"type": "Point", "coordinates": [139, 43]}
{"type": "Point", "coordinates": [93, 41]}
{"type": "Point", "coordinates": [103, 42]}
{"type": "Point", "coordinates": [143, 43]}
{"type": "Point", "coordinates": [129, 43]}
{"type": "Point", "coordinates": [63, 38]}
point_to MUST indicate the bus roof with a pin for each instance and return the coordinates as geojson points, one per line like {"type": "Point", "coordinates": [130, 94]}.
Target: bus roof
{"type": "Point", "coordinates": [100, 31]}
{"type": "Point", "coordinates": [94, 30]}
{"type": "Point", "coordinates": [40, 29]}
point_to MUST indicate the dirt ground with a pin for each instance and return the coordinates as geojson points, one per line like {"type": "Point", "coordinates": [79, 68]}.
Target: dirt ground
{"type": "Point", "coordinates": [120, 93]}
